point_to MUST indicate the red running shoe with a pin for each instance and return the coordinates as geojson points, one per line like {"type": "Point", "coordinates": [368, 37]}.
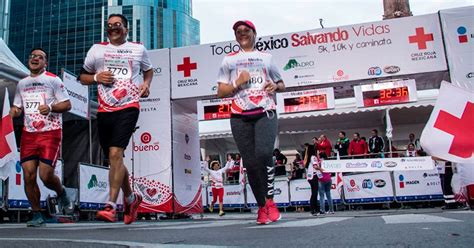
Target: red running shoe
{"type": "Point", "coordinates": [272, 210]}
{"type": "Point", "coordinates": [262, 216]}
{"type": "Point", "coordinates": [130, 210]}
{"type": "Point", "coordinates": [107, 214]}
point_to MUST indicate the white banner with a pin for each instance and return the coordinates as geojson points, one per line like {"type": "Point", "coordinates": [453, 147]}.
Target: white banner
{"type": "Point", "coordinates": [305, 100]}
{"type": "Point", "coordinates": [233, 196]}
{"type": "Point", "coordinates": [368, 187]}
{"type": "Point", "coordinates": [151, 143]}
{"type": "Point", "coordinates": [281, 193]}
{"type": "Point", "coordinates": [417, 185]}
{"type": "Point", "coordinates": [94, 187]}
{"type": "Point", "coordinates": [78, 94]}
{"type": "Point", "coordinates": [399, 46]}
{"type": "Point", "coordinates": [16, 191]}
{"type": "Point", "coordinates": [204, 195]}
{"type": "Point", "coordinates": [186, 161]}
{"type": "Point", "coordinates": [458, 30]}
{"type": "Point", "coordinates": [300, 192]}
{"type": "Point", "coordinates": [378, 164]}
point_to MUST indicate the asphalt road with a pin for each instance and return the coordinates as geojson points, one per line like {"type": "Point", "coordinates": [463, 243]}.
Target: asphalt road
{"type": "Point", "coordinates": [377, 228]}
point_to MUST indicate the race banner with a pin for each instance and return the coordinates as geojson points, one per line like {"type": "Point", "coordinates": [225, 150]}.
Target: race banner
{"type": "Point", "coordinates": [300, 192]}
{"type": "Point", "coordinates": [417, 185]}
{"type": "Point", "coordinates": [186, 161]}
{"type": "Point", "coordinates": [368, 187]}
{"type": "Point", "coordinates": [458, 31]}
{"type": "Point", "coordinates": [400, 46]}
{"type": "Point", "coordinates": [16, 189]}
{"type": "Point", "coordinates": [204, 195]}
{"type": "Point", "coordinates": [150, 145]}
{"type": "Point", "coordinates": [233, 196]}
{"type": "Point", "coordinates": [94, 187]}
{"type": "Point", "coordinates": [378, 164]}
{"type": "Point", "coordinates": [281, 193]}
{"type": "Point", "coordinates": [78, 95]}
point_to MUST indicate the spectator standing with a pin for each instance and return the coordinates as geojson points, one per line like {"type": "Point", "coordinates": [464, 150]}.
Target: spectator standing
{"type": "Point", "coordinates": [342, 144]}
{"type": "Point", "coordinates": [357, 147]}
{"type": "Point", "coordinates": [324, 145]}
{"type": "Point", "coordinates": [376, 144]}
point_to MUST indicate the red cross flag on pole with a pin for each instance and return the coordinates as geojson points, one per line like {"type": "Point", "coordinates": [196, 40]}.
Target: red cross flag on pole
{"type": "Point", "coordinates": [8, 150]}
{"type": "Point", "coordinates": [449, 133]}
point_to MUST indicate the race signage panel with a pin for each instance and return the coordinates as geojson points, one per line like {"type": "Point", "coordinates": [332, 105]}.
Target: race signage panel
{"type": "Point", "coordinates": [392, 47]}
{"type": "Point", "coordinates": [16, 188]}
{"type": "Point", "coordinates": [368, 187]}
{"type": "Point", "coordinates": [94, 187]}
{"type": "Point", "coordinates": [300, 192]}
{"type": "Point", "coordinates": [78, 95]}
{"type": "Point", "coordinates": [150, 145]}
{"type": "Point", "coordinates": [378, 164]}
{"type": "Point", "coordinates": [214, 109]}
{"type": "Point", "coordinates": [306, 100]}
{"type": "Point", "coordinates": [386, 93]}
{"type": "Point", "coordinates": [233, 196]}
{"type": "Point", "coordinates": [417, 185]}
{"type": "Point", "coordinates": [186, 161]}
{"type": "Point", "coordinates": [458, 30]}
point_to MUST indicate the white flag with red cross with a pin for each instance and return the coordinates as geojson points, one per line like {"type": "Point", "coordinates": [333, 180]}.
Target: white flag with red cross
{"type": "Point", "coordinates": [8, 150]}
{"type": "Point", "coordinates": [449, 133]}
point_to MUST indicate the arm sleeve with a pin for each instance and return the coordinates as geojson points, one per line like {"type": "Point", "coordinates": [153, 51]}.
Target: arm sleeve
{"type": "Point", "coordinates": [228, 166]}
{"type": "Point", "coordinates": [89, 61]}
{"type": "Point", "coordinates": [60, 92]}
{"type": "Point", "coordinates": [145, 63]}
{"type": "Point", "coordinates": [223, 76]}
{"type": "Point", "coordinates": [205, 169]}
{"type": "Point", "coordinates": [17, 101]}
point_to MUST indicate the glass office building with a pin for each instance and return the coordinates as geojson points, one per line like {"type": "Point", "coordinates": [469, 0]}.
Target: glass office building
{"type": "Point", "coordinates": [66, 29]}
{"type": "Point", "coordinates": [4, 19]}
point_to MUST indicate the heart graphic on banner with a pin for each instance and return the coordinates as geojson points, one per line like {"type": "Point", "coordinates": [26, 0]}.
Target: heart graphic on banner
{"type": "Point", "coordinates": [255, 99]}
{"type": "Point", "coordinates": [119, 93]}
{"type": "Point", "coordinates": [151, 192]}
{"type": "Point", "coordinates": [38, 124]}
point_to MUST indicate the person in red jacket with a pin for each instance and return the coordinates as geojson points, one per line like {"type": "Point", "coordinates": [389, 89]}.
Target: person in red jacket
{"type": "Point", "coordinates": [324, 145]}
{"type": "Point", "coordinates": [358, 146]}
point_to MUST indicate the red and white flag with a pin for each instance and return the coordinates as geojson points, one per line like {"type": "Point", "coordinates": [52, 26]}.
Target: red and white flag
{"type": "Point", "coordinates": [8, 150]}
{"type": "Point", "coordinates": [449, 133]}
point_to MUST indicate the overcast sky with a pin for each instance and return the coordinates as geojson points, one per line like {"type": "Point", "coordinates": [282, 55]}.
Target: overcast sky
{"type": "Point", "coordinates": [284, 16]}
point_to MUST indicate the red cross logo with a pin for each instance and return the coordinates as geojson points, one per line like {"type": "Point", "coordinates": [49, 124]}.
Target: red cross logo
{"type": "Point", "coordinates": [421, 38]}
{"type": "Point", "coordinates": [187, 66]}
{"type": "Point", "coordinates": [7, 128]}
{"type": "Point", "coordinates": [461, 128]}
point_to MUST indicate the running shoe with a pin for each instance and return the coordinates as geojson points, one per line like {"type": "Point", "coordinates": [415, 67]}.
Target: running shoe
{"type": "Point", "coordinates": [107, 214]}
{"type": "Point", "coordinates": [262, 216]}
{"type": "Point", "coordinates": [211, 208]}
{"type": "Point", "coordinates": [65, 204]}
{"type": "Point", "coordinates": [273, 213]}
{"type": "Point", "coordinates": [221, 213]}
{"type": "Point", "coordinates": [36, 221]}
{"type": "Point", "coordinates": [130, 210]}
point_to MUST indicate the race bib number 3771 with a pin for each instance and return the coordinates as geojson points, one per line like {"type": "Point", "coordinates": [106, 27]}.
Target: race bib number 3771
{"type": "Point", "coordinates": [32, 102]}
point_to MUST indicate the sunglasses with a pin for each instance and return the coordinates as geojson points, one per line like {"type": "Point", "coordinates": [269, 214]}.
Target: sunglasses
{"type": "Point", "coordinates": [114, 25]}
{"type": "Point", "coordinates": [34, 56]}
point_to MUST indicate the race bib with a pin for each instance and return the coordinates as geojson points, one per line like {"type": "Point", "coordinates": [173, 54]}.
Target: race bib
{"type": "Point", "coordinates": [120, 67]}
{"type": "Point", "coordinates": [257, 78]}
{"type": "Point", "coordinates": [32, 102]}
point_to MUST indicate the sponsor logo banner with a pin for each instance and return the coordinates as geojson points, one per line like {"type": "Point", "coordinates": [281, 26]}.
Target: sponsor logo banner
{"type": "Point", "coordinates": [378, 164]}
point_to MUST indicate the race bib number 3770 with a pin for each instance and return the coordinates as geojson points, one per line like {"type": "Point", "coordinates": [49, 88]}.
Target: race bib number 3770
{"type": "Point", "coordinates": [120, 67]}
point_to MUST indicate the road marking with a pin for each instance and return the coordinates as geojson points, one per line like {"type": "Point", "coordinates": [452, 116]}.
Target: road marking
{"type": "Point", "coordinates": [189, 225]}
{"type": "Point", "coordinates": [415, 218]}
{"type": "Point", "coordinates": [124, 243]}
{"type": "Point", "coordinates": [303, 223]}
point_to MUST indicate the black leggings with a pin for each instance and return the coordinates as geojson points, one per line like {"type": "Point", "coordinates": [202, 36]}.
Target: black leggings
{"type": "Point", "coordinates": [313, 201]}
{"type": "Point", "coordinates": [255, 139]}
